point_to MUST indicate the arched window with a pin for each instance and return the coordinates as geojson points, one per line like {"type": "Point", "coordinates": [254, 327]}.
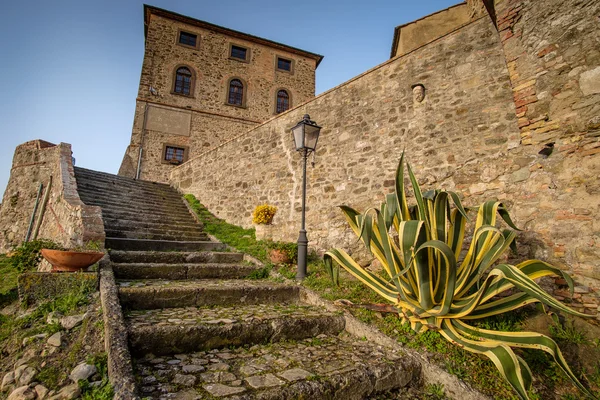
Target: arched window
{"type": "Point", "coordinates": [283, 101]}
{"type": "Point", "coordinates": [183, 81]}
{"type": "Point", "coordinates": [236, 92]}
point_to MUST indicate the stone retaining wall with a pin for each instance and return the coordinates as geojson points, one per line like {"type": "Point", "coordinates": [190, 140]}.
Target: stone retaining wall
{"type": "Point", "coordinates": [468, 134]}
{"type": "Point", "coordinates": [66, 220]}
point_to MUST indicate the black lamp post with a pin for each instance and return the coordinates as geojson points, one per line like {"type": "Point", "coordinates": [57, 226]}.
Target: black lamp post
{"type": "Point", "coordinates": [306, 135]}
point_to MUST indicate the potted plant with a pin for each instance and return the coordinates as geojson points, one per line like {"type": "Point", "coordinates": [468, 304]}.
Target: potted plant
{"type": "Point", "coordinates": [75, 259]}
{"type": "Point", "coordinates": [282, 252]}
{"type": "Point", "coordinates": [262, 218]}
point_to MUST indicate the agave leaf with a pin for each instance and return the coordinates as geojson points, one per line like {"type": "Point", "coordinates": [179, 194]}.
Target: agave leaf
{"type": "Point", "coordinates": [403, 211]}
{"type": "Point", "coordinates": [377, 284]}
{"type": "Point", "coordinates": [521, 281]}
{"type": "Point", "coordinates": [418, 195]}
{"type": "Point", "coordinates": [447, 268]}
{"type": "Point", "coordinates": [506, 217]}
{"type": "Point", "coordinates": [501, 355]}
{"type": "Point", "coordinates": [390, 209]}
{"type": "Point", "coordinates": [332, 270]}
{"type": "Point", "coordinates": [528, 340]}
{"type": "Point", "coordinates": [458, 204]}
{"type": "Point", "coordinates": [500, 306]}
{"type": "Point", "coordinates": [440, 217]}
{"type": "Point", "coordinates": [456, 233]}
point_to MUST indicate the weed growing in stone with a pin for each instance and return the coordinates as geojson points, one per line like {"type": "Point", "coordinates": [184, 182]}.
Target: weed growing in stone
{"type": "Point", "coordinates": [434, 391]}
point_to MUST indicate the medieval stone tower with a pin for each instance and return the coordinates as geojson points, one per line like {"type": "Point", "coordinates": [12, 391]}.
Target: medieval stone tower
{"type": "Point", "coordinates": [202, 84]}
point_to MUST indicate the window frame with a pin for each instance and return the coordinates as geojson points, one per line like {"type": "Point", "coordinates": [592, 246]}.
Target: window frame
{"type": "Point", "coordinates": [229, 54]}
{"type": "Point", "coordinates": [178, 38]}
{"type": "Point", "coordinates": [289, 98]}
{"type": "Point", "coordinates": [290, 71]}
{"type": "Point", "coordinates": [244, 92]}
{"type": "Point", "coordinates": [192, 81]}
{"type": "Point", "coordinates": [163, 154]}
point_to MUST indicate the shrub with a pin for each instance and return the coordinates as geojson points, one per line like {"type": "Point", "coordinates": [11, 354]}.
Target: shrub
{"type": "Point", "coordinates": [263, 214]}
{"type": "Point", "coordinates": [432, 290]}
{"type": "Point", "coordinates": [27, 256]}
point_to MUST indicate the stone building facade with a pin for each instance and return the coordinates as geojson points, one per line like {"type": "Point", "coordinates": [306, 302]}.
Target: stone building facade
{"type": "Point", "coordinates": [507, 107]}
{"type": "Point", "coordinates": [202, 84]}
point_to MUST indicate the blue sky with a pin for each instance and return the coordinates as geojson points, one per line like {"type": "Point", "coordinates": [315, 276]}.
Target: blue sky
{"type": "Point", "coordinates": [69, 70]}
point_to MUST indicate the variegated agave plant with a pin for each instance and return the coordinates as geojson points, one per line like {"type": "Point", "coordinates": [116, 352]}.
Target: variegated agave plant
{"type": "Point", "coordinates": [435, 284]}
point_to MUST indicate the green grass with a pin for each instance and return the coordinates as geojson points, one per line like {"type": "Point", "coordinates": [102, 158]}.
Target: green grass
{"type": "Point", "coordinates": [8, 283]}
{"type": "Point", "coordinates": [568, 333]}
{"type": "Point", "coordinates": [243, 240]}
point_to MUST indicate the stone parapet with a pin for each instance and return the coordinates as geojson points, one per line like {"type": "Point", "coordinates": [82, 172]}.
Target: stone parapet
{"type": "Point", "coordinates": [64, 218]}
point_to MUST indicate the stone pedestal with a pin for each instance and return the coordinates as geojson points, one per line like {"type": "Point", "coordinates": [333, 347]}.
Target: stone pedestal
{"type": "Point", "coordinates": [264, 232]}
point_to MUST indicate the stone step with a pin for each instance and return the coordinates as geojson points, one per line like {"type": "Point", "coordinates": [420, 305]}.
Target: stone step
{"type": "Point", "coordinates": [140, 208]}
{"type": "Point", "coordinates": [190, 329]}
{"type": "Point", "coordinates": [113, 213]}
{"type": "Point", "coordinates": [125, 224]}
{"type": "Point", "coordinates": [170, 257]}
{"type": "Point", "coordinates": [150, 294]}
{"type": "Point", "coordinates": [97, 176]}
{"type": "Point", "coordinates": [160, 245]}
{"type": "Point", "coordinates": [165, 235]}
{"type": "Point", "coordinates": [91, 193]}
{"type": "Point", "coordinates": [183, 271]}
{"type": "Point", "coordinates": [326, 367]}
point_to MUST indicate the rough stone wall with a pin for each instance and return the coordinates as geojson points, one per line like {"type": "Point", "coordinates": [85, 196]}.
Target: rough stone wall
{"type": "Point", "coordinates": [454, 138]}
{"type": "Point", "coordinates": [552, 49]}
{"type": "Point", "coordinates": [464, 136]}
{"type": "Point", "coordinates": [212, 119]}
{"type": "Point", "coordinates": [66, 219]}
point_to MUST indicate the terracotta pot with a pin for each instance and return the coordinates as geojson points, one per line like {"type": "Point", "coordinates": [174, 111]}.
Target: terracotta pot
{"type": "Point", "coordinates": [279, 257]}
{"type": "Point", "coordinates": [70, 260]}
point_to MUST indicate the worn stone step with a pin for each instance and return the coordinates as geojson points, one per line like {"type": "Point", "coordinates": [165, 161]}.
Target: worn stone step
{"type": "Point", "coordinates": [91, 192]}
{"type": "Point", "coordinates": [112, 213]}
{"type": "Point", "coordinates": [160, 245]}
{"type": "Point", "coordinates": [116, 179]}
{"type": "Point", "coordinates": [141, 208]}
{"type": "Point", "coordinates": [184, 330]}
{"type": "Point", "coordinates": [140, 226]}
{"type": "Point", "coordinates": [125, 224]}
{"type": "Point", "coordinates": [183, 271]}
{"type": "Point", "coordinates": [170, 257]}
{"type": "Point", "coordinates": [165, 235]}
{"type": "Point", "coordinates": [108, 189]}
{"type": "Point", "coordinates": [326, 367]}
{"type": "Point", "coordinates": [149, 294]}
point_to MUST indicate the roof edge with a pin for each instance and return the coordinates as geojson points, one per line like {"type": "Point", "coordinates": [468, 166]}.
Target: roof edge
{"type": "Point", "coordinates": [399, 27]}
{"type": "Point", "coordinates": [148, 10]}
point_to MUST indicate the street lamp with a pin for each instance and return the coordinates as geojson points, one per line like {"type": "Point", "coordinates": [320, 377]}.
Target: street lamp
{"type": "Point", "coordinates": [306, 135]}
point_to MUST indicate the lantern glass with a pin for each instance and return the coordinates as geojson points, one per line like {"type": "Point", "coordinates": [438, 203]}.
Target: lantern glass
{"type": "Point", "coordinates": [311, 136]}
{"type": "Point", "coordinates": [298, 133]}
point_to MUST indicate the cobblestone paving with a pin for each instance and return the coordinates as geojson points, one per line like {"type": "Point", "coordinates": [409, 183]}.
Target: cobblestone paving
{"type": "Point", "coordinates": [249, 372]}
{"type": "Point", "coordinates": [218, 315]}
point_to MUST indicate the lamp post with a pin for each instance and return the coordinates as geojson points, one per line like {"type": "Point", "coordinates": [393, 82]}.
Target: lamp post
{"type": "Point", "coordinates": [306, 135]}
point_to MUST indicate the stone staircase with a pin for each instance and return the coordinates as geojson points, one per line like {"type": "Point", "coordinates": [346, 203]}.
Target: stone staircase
{"type": "Point", "coordinates": [199, 328]}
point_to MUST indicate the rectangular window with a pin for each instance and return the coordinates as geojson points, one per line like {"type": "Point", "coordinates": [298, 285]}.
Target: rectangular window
{"type": "Point", "coordinates": [238, 52]}
{"type": "Point", "coordinates": [188, 39]}
{"type": "Point", "coordinates": [174, 154]}
{"type": "Point", "coordinates": [284, 64]}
